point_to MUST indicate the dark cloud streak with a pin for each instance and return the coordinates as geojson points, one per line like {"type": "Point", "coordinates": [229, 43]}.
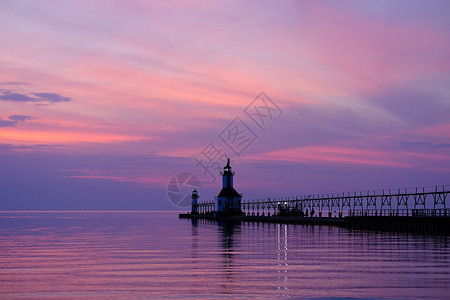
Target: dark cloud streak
{"type": "Point", "coordinates": [20, 118]}
{"type": "Point", "coordinates": [51, 97]}
{"type": "Point", "coordinates": [8, 95]}
{"type": "Point", "coordinates": [7, 123]}
{"type": "Point", "coordinates": [14, 83]}
{"type": "Point", "coordinates": [9, 148]}
{"type": "Point", "coordinates": [14, 119]}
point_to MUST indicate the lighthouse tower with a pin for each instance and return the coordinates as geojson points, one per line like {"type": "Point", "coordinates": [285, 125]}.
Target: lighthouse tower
{"type": "Point", "coordinates": [228, 200]}
{"type": "Point", "coordinates": [194, 197]}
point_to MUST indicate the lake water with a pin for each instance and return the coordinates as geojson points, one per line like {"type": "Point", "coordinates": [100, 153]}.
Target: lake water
{"type": "Point", "coordinates": [140, 255]}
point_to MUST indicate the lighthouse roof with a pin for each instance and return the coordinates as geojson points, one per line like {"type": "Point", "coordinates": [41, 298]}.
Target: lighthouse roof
{"type": "Point", "coordinates": [228, 192]}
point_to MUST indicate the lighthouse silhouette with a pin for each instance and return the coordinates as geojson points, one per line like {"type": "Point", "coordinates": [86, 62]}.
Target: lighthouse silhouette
{"type": "Point", "coordinates": [228, 200]}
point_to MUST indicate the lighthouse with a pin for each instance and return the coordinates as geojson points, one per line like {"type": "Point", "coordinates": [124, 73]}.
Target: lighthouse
{"type": "Point", "coordinates": [194, 197]}
{"type": "Point", "coordinates": [228, 200]}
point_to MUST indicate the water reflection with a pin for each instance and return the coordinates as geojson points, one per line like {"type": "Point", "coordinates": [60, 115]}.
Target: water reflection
{"type": "Point", "coordinates": [157, 255]}
{"type": "Point", "coordinates": [282, 257]}
{"type": "Point", "coordinates": [226, 232]}
{"type": "Point", "coordinates": [194, 241]}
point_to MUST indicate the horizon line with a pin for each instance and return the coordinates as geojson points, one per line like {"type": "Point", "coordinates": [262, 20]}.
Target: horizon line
{"type": "Point", "coordinates": [8, 211]}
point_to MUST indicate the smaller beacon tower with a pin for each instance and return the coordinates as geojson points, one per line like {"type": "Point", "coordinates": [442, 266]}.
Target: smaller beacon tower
{"type": "Point", "coordinates": [194, 196]}
{"type": "Point", "coordinates": [228, 200]}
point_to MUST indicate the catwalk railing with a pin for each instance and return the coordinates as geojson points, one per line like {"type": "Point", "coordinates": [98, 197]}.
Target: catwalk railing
{"type": "Point", "coordinates": [430, 201]}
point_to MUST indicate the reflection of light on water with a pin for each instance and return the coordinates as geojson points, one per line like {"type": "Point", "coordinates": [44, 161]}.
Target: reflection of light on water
{"type": "Point", "coordinates": [282, 247]}
{"type": "Point", "coordinates": [228, 256]}
{"type": "Point", "coordinates": [227, 251]}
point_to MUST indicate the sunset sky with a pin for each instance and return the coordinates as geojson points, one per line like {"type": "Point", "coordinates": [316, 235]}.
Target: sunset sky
{"type": "Point", "coordinates": [103, 102]}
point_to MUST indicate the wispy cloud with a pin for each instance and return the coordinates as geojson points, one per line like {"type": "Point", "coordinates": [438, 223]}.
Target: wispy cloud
{"type": "Point", "coordinates": [20, 118]}
{"type": "Point", "coordinates": [342, 155]}
{"type": "Point", "coordinates": [18, 136]}
{"type": "Point", "coordinates": [8, 95]}
{"type": "Point", "coordinates": [7, 123]}
{"type": "Point", "coordinates": [50, 97]}
{"type": "Point", "coordinates": [14, 119]}
{"type": "Point", "coordinates": [13, 83]}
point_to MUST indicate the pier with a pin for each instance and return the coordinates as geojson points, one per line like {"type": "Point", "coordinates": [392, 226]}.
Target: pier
{"type": "Point", "coordinates": [422, 201]}
{"type": "Point", "coordinates": [418, 210]}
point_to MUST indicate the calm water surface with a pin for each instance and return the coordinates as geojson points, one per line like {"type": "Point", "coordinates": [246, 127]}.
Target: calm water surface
{"type": "Point", "coordinates": [140, 255]}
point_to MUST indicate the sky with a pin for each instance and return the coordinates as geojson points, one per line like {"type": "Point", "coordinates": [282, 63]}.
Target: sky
{"type": "Point", "coordinates": [128, 105]}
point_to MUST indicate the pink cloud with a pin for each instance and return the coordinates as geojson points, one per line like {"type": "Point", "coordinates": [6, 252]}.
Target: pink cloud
{"type": "Point", "coordinates": [354, 53]}
{"type": "Point", "coordinates": [30, 137]}
{"type": "Point", "coordinates": [134, 175]}
{"type": "Point", "coordinates": [359, 156]}
{"type": "Point", "coordinates": [331, 154]}
{"type": "Point", "coordinates": [440, 131]}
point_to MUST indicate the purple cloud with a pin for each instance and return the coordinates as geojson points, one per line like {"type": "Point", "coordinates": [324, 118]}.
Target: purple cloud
{"type": "Point", "coordinates": [7, 123]}
{"type": "Point", "coordinates": [14, 119]}
{"type": "Point", "coordinates": [50, 97]}
{"type": "Point", "coordinates": [14, 83]}
{"type": "Point", "coordinates": [7, 95]}
{"type": "Point", "coordinates": [10, 96]}
{"type": "Point", "coordinates": [20, 118]}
